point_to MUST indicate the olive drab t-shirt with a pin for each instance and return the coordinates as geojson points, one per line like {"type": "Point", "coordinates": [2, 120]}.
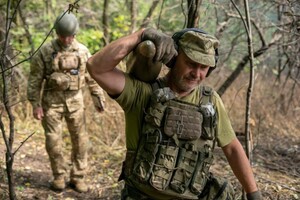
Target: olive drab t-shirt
{"type": "Point", "coordinates": [134, 100]}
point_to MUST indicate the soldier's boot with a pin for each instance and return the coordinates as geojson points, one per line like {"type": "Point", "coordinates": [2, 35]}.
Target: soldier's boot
{"type": "Point", "coordinates": [79, 185]}
{"type": "Point", "coordinates": [59, 183]}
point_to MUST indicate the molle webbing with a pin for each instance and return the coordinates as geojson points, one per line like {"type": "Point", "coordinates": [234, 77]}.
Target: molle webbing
{"type": "Point", "coordinates": [66, 70]}
{"type": "Point", "coordinates": [175, 150]}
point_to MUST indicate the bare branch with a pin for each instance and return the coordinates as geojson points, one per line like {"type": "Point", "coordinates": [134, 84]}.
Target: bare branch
{"type": "Point", "coordinates": [147, 19]}
{"type": "Point", "coordinates": [23, 142]}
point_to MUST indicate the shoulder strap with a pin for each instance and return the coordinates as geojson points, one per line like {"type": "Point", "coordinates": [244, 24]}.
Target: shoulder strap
{"type": "Point", "coordinates": [157, 84]}
{"type": "Point", "coordinates": [206, 94]}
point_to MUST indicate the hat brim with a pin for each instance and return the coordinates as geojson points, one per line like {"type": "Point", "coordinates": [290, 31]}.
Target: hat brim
{"type": "Point", "coordinates": [204, 59]}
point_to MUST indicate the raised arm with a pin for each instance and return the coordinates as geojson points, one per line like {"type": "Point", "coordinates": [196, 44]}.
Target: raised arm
{"type": "Point", "coordinates": [102, 65]}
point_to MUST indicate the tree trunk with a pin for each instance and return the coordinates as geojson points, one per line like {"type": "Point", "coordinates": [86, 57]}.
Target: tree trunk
{"type": "Point", "coordinates": [133, 9]}
{"type": "Point", "coordinates": [27, 33]}
{"type": "Point", "coordinates": [9, 156]}
{"type": "Point", "coordinates": [106, 37]}
{"type": "Point", "coordinates": [251, 83]}
{"type": "Point", "coordinates": [193, 13]}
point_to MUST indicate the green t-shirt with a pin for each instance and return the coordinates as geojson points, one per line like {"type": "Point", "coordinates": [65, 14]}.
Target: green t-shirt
{"type": "Point", "coordinates": [135, 98]}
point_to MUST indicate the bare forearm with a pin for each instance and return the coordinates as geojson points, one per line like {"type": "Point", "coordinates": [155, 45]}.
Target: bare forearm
{"type": "Point", "coordinates": [110, 56]}
{"type": "Point", "coordinates": [102, 65]}
{"type": "Point", "coordinates": [240, 165]}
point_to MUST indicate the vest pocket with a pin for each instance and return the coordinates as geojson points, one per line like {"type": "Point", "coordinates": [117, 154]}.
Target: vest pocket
{"type": "Point", "coordinates": [185, 167]}
{"type": "Point", "coordinates": [209, 121]}
{"type": "Point", "coordinates": [146, 155]}
{"type": "Point", "coordinates": [155, 114]}
{"type": "Point", "coordinates": [164, 167]}
{"type": "Point", "coordinates": [74, 82]}
{"type": "Point", "coordinates": [201, 171]}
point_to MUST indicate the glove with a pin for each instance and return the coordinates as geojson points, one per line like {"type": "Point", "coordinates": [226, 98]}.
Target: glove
{"type": "Point", "coordinates": [165, 48]}
{"type": "Point", "coordinates": [99, 104]}
{"type": "Point", "coordinates": [254, 195]}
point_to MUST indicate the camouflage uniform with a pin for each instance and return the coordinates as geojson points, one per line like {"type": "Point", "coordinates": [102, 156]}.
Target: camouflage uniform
{"type": "Point", "coordinates": [63, 73]}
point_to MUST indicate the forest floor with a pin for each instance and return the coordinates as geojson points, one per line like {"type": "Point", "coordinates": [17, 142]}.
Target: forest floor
{"type": "Point", "coordinates": [275, 164]}
{"type": "Point", "coordinates": [276, 157]}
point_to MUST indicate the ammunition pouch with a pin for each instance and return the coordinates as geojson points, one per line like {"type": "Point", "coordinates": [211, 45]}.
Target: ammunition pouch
{"type": "Point", "coordinates": [64, 81]}
{"type": "Point", "coordinates": [146, 155]}
{"type": "Point", "coordinates": [66, 75]}
{"type": "Point", "coordinates": [75, 83]}
{"type": "Point", "coordinates": [156, 110]}
{"type": "Point", "coordinates": [183, 174]}
{"type": "Point", "coordinates": [209, 121]}
{"type": "Point", "coordinates": [59, 81]}
{"type": "Point", "coordinates": [217, 188]}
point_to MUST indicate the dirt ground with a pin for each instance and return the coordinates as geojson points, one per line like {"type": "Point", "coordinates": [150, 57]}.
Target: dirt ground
{"type": "Point", "coordinates": [276, 168]}
{"type": "Point", "coordinates": [276, 157]}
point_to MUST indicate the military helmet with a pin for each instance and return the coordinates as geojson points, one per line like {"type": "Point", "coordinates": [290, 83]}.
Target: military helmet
{"type": "Point", "coordinates": [66, 24]}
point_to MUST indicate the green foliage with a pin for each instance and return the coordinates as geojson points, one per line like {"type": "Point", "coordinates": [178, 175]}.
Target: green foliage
{"type": "Point", "coordinates": [50, 197]}
{"type": "Point", "coordinates": [168, 16]}
{"type": "Point", "coordinates": [20, 188]}
{"type": "Point", "coordinates": [120, 26]}
{"type": "Point", "coordinates": [91, 38]}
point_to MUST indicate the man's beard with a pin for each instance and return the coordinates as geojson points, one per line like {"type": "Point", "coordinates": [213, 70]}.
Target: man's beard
{"type": "Point", "coordinates": [183, 84]}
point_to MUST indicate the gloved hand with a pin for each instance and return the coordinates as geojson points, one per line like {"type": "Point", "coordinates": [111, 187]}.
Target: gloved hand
{"type": "Point", "coordinates": [165, 48]}
{"type": "Point", "coordinates": [254, 195]}
{"type": "Point", "coordinates": [99, 104]}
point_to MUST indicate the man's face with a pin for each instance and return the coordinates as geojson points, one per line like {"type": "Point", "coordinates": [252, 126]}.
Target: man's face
{"type": "Point", "coordinates": [66, 40]}
{"type": "Point", "coordinates": [186, 74]}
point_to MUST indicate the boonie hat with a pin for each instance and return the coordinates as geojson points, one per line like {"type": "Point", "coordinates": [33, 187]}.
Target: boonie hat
{"type": "Point", "coordinates": [199, 47]}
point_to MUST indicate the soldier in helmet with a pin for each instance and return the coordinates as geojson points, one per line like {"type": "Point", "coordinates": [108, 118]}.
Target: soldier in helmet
{"type": "Point", "coordinates": [55, 90]}
{"type": "Point", "coordinates": [174, 123]}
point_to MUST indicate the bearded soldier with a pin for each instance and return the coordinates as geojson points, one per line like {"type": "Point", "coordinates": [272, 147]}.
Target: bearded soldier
{"type": "Point", "coordinates": [174, 122]}
{"type": "Point", "coordinates": [55, 90]}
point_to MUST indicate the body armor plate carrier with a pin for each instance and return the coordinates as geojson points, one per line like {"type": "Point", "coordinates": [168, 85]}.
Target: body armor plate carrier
{"type": "Point", "coordinates": [65, 71]}
{"type": "Point", "coordinates": [175, 150]}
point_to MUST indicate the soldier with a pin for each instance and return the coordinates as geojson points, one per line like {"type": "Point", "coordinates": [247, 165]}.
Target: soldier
{"type": "Point", "coordinates": [173, 124]}
{"type": "Point", "coordinates": [55, 90]}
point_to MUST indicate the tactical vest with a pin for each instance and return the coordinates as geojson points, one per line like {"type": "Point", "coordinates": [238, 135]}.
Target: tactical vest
{"type": "Point", "coordinates": [67, 69]}
{"type": "Point", "coordinates": [176, 145]}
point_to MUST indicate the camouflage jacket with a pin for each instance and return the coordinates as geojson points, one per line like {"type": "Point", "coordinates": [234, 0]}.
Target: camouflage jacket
{"type": "Point", "coordinates": [51, 59]}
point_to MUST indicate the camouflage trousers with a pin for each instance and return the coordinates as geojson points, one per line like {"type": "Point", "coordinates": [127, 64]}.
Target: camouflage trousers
{"type": "Point", "coordinates": [52, 124]}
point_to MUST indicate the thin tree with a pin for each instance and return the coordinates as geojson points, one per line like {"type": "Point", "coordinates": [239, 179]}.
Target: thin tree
{"type": "Point", "coordinates": [242, 64]}
{"type": "Point", "coordinates": [133, 9]}
{"type": "Point", "coordinates": [247, 25]}
{"type": "Point", "coordinates": [105, 22]}
{"type": "Point", "coordinates": [193, 13]}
